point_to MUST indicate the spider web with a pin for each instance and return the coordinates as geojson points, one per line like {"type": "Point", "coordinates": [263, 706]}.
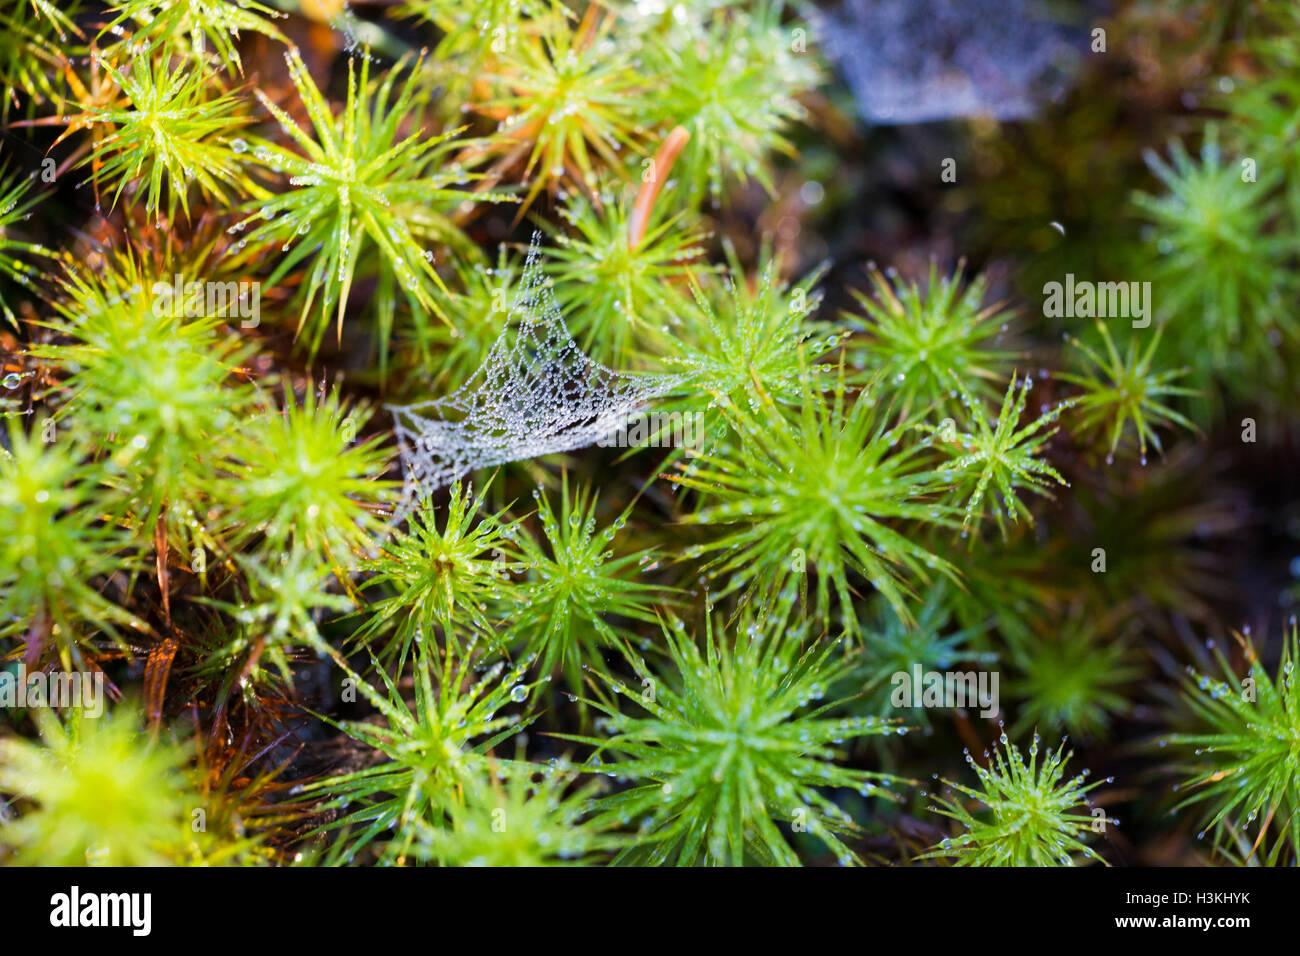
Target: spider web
{"type": "Point", "coordinates": [536, 393]}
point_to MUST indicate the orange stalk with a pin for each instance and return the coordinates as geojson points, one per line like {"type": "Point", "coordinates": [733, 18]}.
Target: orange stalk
{"type": "Point", "coordinates": [660, 166]}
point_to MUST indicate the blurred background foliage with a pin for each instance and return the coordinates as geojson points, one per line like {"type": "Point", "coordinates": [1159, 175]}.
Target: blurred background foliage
{"type": "Point", "coordinates": [218, 542]}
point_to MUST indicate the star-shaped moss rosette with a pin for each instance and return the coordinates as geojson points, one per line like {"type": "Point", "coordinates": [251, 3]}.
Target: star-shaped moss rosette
{"type": "Point", "coordinates": [1241, 765]}
{"type": "Point", "coordinates": [1025, 812]}
{"type": "Point", "coordinates": [735, 739]}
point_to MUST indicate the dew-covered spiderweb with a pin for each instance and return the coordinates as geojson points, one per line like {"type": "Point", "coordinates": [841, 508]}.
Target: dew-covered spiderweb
{"type": "Point", "coordinates": [536, 393]}
{"type": "Point", "coordinates": [915, 61]}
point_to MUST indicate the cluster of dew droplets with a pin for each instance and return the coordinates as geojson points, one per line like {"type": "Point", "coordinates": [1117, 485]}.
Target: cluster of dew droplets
{"type": "Point", "coordinates": [535, 394]}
